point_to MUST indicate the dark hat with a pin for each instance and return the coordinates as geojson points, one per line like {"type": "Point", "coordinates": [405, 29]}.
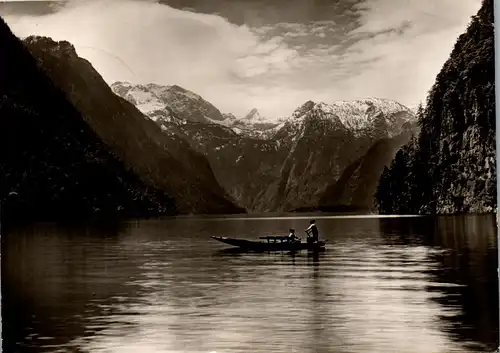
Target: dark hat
{"type": "Point", "coordinates": [292, 230]}
{"type": "Point", "coordinates": [312, 221]}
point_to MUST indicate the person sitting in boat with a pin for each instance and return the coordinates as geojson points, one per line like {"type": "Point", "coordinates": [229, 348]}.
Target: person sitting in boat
{"type": "Point", "coordinates": [312, 232]}
{"type": "Point", "coordinates": [292, 236]}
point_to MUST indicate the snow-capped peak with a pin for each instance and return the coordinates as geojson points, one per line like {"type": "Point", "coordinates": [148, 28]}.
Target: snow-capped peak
{"type": "Point", "coordinates": [359, 115]}
{"type": "Point", "coordinates": [160, 90]}
{"type": "Point", "coordinates": [253, 123]}
{"type": "Point", "coordinates": [122, 84]}
{"type": "Point", "coordinates": [184, 104]}
{"type": "Point", "coordinates": [254, 116]}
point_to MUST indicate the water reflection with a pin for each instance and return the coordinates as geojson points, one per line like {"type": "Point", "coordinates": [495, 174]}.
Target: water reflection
{"type": "Point", "coordinates": [383, 285]}
{"type": "Point", "coordinates": [470, 262]}
{"type": "Point", "coordinates": [53, 284]}
{"type": "Point", "coordinates": [463, 280]}
{"type": "Point", "coordinates": [320, 312]}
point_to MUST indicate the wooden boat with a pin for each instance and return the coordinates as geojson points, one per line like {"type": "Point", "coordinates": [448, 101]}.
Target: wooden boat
{"type": "Point", "coordinates": [272, 243]}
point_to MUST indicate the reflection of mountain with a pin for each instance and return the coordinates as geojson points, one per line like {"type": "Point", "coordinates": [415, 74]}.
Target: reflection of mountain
{"type": "Point", "coordinates": [161, 283]}
{"type": "Point", "coordinates": [54, 284]}
{"type": "Point", "coordinates": [472, 263]}
{"type": "Point", "coordinates": [465, 250]}
{"type": "Point", "coordinates": [85, 282]}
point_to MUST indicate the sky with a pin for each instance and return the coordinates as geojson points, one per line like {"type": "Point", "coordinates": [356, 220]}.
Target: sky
{"type": "Point", "coordinates": [272, 55]}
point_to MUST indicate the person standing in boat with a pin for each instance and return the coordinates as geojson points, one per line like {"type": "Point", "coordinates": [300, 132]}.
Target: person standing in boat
{"type": "Point", "coordinates": [312, 232]}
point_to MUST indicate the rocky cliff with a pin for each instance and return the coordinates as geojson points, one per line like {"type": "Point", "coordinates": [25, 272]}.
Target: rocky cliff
{"type": "Point", "coordinates": [52, 164]}
{"type": "Point", "coordinates": [450, 167]}
{"type": "Point", "coordinates": [163, 160]}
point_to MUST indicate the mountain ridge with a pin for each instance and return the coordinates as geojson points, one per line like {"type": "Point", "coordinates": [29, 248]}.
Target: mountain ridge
{"type": "Point", "coordinates": [356, 114]}
{"type": "Point", "coordinates": [53, 166]}
{"type": "Point", "coordinates": [138, 142]}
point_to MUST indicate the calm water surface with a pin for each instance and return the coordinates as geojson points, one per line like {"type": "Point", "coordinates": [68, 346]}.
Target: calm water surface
{"type": "Point", "coordinates": [406, 285]}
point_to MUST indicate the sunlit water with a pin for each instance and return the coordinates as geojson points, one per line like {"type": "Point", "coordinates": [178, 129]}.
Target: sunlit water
{"type": "Point", "coordinates": [406, 285]}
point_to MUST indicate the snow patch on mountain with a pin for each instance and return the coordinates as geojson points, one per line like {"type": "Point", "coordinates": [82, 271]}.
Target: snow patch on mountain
{"type": "Point", "coordinates": [161, 90]}
{"type": "Point", "coordinates": [174, 104]}
{"type": "Point", "coordinates": [145, 100]}
{"type": "Point", "coordinates": [358, 116]}
{"type": "Point", "coordinates": [177, 101]}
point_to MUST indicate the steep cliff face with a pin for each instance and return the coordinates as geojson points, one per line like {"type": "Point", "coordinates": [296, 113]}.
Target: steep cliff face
{"type": "Point", "coordinates": [163, 160]}
{"type": "Point", "coordinates": [52, 164]}
{"type": "Point", "coordinates": [450, 167]}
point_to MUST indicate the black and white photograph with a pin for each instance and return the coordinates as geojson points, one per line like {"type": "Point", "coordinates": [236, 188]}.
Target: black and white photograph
{"type": "Point", "coordinates": [248, 176]}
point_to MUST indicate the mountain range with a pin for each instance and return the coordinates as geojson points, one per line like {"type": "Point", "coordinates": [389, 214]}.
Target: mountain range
{"type": "Point", "coordinates": [282, 164]}
{"type": "Point", "coordinates": [74, 147]}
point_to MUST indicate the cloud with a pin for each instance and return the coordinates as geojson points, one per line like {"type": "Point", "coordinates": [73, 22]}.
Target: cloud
{"type": "Point", "coordinates": [381, 15]}
{"type": "Point", "coordinates": [394, 50]}
{"type": "Point", "coordinates": [405, 46]}
{"type": "Point", "coordinates": [148, 42]}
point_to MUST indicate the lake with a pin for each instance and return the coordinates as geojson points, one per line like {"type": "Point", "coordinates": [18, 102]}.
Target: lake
{"type": "Point", "coordinates": [406, 285]}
